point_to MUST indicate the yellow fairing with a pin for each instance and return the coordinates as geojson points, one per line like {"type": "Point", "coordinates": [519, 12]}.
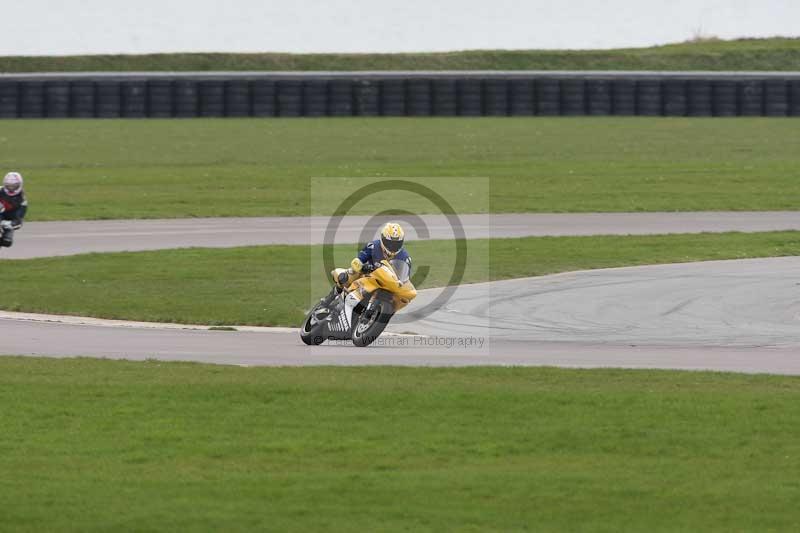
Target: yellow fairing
{"type": "Point", "coordinates": [385, 278]}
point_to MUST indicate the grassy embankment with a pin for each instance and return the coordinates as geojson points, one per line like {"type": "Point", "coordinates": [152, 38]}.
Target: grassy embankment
{"type": "Point", "coordinates": [149, 169]}
{"type": "Point", "coordinates": [93, 445]}
{"type": "Point", "coordinates": [742, 54]}
{"type": "Point", "coordinates": [272, 285]}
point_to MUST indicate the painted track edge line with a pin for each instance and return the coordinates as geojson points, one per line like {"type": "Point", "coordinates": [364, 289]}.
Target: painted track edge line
{"type": "Point", "coordinates": [112, 323]}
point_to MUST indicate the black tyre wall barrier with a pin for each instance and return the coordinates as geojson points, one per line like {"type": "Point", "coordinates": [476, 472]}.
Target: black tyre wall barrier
{"type": "Point", "coordinates": [751, 94]}
{"type": "Point", "coordinates": [438, 94]}
{"type": "Point", "coordinates": [186, 99]}
{"type": "Point", "coordinates": [522, 95]}
{"type": "Point", "coordinates": [418, 100]}
{"type": "Point", "coordinates": [9, 101]}
{"type": "Point", "coordinates": [264, 98]}
{"type": "Point", "coordinates": [724, 99]}
{"type": "Point", "coordinates": [108, 99]}
{"type": "Point", "coordinates": [82, 100]}
{"type": "Point", "coordinates": [699, 95]}
{"type": "Point", "coordinates": [57, 99]}
{"type": "Point", "coordinates": [470, 98]}
{"type": "Point", "coordinates": [548, 97]}
{"type": "Point", "coordinates": [237, 98]}
{"type": "Point", "coordinates": [648, 98]}
{"type": "Point", "coordinates": [794, 98]}
{"type": "Point", "coordinates": [31, 99]}
{"type": "Point", "coordinates": [623, 100]}
{"type": "Point", "coordinates": [212, 99]}
{"type": "Point", "coordinates": [367, 93]}
{"type": "Point", "coordinates": [776, 98]}
{"type": "Point", "coordinates": [134, 99]}
{"type": "Point", "coordinates": [393, 98]}
{"type": "Point", "coordinates": [340, 98]}
{"type": "Point", "coordinates": [159, 99]}
{"type": "Point", "coordinates": [315, 98]}
{"type": "Point", "coordinates": [445, 98]}
{"type": "Point", "coordinates": [290, 98]}
{"type": "Point", "coordinates": [573, 97]}
{"type": "Point", "coordinates": [675, 100]}
{"type": "Point", "coordinates": [598, 97]}
{"type": "Point", "coordinates": [495, 98]}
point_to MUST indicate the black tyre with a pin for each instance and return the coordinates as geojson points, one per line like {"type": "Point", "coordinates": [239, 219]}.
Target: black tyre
{"type": "Point", "coordinates": [495, 97]}
{"type": "Point", "coordinates": [469, 97]}
{"type": "Point", "coordinates": [372, 321]}
{"type": "Point", "coordinates": [134, 99]}
{"type": "Point", "coordinates": [31, 99]}
{"type": "Point", "coordinates": [444, 97]}
{"type": "Point", "coordinates": [108, 99]}
{"type": "Point", "coordinates": [776, 98]}
{"type": "Point", "coordinates": [675, 101]}
{"type": "Point", "coordinates": [264, 98]}
{"type": "Point", "coordinates": [700, 98]}
{"type": "Point", "coordinates": [623, 97]}
{"type": "Point", "coordinates": [312, 332]}
{"type": "Point", "coordinates": [56, 99]}
{"type": "Point", "coordinates": [159, 98]}
{"type": "Point", "coordinates": [548, 97]}
{"type": "Point", "coordinates": [393, 98]}
{"type": "Point", "coordinates": [340, 98]}
{"type": "Point", "coordinates": [648, 98]}
{"type": "Point", "coordinates": [573, 97]}
{"type": "Point", "coordinates": [9, 99]}
{"type": "Point", "coordinates": [751, 94]}
{"type": "Point", "coordinates": [186, 98]}
{"type": "Point", "coordinates": [521, 94]}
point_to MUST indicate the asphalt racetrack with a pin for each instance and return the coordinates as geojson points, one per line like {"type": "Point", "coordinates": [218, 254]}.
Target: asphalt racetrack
{"type": "Point", "coordinates": [45, 239]}
{"type": "Point", "coordinates": [739, 316]}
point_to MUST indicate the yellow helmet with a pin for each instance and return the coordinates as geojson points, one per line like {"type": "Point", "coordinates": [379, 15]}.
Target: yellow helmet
{"type": "Point", "coordinates": [392, 236]}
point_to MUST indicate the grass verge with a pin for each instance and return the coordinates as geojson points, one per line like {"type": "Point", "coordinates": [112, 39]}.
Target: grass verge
{"type": "Point", "coordinates": [92, 445]}
{"type": "Point", "coordinates": [91, 169]}
{"type": "Point", "coordinates": [273, 285]}
{"type": "Point", "coordinates": [741, 54]}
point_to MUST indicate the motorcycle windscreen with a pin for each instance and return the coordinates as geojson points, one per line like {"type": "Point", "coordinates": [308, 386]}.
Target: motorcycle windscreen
{"type": "Point", "coordinates": [402, 269]}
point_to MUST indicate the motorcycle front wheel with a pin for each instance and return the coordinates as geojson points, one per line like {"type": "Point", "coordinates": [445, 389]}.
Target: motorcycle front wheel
{"type": "Point", "coordinates": [372, 321]}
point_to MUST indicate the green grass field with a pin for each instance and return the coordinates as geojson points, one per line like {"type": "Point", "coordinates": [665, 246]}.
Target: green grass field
{"type": "Point", "coordinates": [272, 285]}
{"type": "Point", "coordinates": [171, 168]}
{"type": "Point", "coordinates": [90, 445]}
{"type": "Point", "coordinates": [742, 54]}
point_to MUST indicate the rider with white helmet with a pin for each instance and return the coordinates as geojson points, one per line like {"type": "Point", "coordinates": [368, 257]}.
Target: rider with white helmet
{"type": "Point", "coordinates": [13, 206]}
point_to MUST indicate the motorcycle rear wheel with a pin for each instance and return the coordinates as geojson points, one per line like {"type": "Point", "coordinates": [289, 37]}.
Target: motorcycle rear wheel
{"type": "Point", "coordinates": [312, 333]}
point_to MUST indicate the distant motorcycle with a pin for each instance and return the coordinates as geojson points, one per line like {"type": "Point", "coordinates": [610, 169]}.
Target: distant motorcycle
{"type": "Point", "coordinates": [5, 225]}
{"type": "Point", "coordinates": [380, 293]}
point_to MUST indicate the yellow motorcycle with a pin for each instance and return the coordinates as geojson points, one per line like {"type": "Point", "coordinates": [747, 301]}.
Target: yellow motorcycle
{"type": "Point", "coordinates": [360, 311]}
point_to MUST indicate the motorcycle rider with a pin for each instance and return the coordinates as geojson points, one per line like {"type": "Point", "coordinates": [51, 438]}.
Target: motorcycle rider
{"type": "Point", "coordinates": [389, 246]}
{"type": "Point", "coordinates": [13, 207]}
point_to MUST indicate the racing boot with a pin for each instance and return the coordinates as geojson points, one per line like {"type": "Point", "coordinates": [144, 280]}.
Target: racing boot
{"type": "Point", "coordinates": [326, 301]}
{"type": "Point", "coordinates": [341, 278]}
